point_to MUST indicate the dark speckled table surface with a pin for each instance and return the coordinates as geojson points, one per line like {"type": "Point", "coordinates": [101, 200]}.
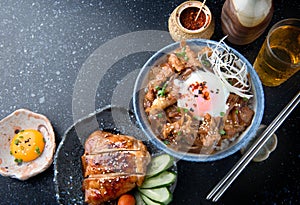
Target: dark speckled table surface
{"type": "Point", "coordinates": [46, 45]}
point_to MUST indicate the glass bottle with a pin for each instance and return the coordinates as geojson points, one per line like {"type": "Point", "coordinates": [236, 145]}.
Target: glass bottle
{"type": "Point", "coordinates": [245, 20]}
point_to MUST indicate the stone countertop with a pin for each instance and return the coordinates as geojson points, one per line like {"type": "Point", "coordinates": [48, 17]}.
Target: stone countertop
{"type": "Point", "coordinates": [45, 48]}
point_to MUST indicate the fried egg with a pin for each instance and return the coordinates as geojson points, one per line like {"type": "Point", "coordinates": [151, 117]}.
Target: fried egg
{"type": "Point", "coordinates": [27, 144]}
{"type": "Point", "coordinates": [202, 92]}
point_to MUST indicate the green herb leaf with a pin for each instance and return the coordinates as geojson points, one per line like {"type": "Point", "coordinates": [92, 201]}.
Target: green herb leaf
{"type": "Point", "coordinates": [159, 115]}
{"type": "Point", "coordinates": [236, 111]}
{"type": "Point", "coordinates": [17, 141]}
{"type": "Point", "coordinates": [245, 99]}
{"type": "Point", "coordinates": [206, 63]}
{"type": "Point", "coordinates": [37, 150]}
{"type": "Point", "coordinates": [222, 132]}
{"type": "Point", "coordinates": [179, 133]}
{"type": "Point", "coordinates": [222, 114]}
{"type": "Point", "coordinates": [186, 58]}
{"type": "Point", "coordinates": [19, 161]}
{"type": "Point", "coordinates": [185, 110]}
{"type": "Point", "coordinates": [166, 142]}
{"type": "Point", "coordinates": [162, 92]}
{"type": "Point", "coordinates": [182, 54]}
{"type": "Point", "coordinates": [21, 137]}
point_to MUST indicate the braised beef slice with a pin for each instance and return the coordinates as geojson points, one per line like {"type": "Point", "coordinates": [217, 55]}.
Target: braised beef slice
{"type": "Point", "coordinates": [239, 116]}
{"type": "Point", "coordinates": [209, 135]}
{"type": "Point", "coordinates": [176, 63]}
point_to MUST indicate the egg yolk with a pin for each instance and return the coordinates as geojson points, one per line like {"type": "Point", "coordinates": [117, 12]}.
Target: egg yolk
{"type": "Point", "coordinates": [202, 97]}
{"type": "Point", "coordinates": [27, 145]}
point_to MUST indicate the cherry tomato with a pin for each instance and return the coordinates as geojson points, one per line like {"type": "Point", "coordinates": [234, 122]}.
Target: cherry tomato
{"type": "Point", "coordinates": [126, 199]}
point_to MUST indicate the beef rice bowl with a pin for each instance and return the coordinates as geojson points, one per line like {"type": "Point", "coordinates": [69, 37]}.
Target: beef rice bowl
{"type": "Point", "coordinates": [198, 101]}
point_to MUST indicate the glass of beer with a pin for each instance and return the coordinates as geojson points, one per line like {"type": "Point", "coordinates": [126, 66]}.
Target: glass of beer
{"type": "Point", "coordinates": [279, 57]}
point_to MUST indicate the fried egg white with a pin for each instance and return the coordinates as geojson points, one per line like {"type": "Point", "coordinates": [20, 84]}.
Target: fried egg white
{"type": "Point", "coordinates": [202, 93]}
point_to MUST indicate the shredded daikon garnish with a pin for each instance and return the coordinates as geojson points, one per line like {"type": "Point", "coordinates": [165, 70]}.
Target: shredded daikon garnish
{"type": "Point", "coordinates": [230, 69]}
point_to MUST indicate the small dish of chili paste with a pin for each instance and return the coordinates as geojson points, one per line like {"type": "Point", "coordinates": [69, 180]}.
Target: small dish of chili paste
{"type": "Point", "coordinates": [184, 23]}
{"type": "Point", "coordinates": [188, 18]}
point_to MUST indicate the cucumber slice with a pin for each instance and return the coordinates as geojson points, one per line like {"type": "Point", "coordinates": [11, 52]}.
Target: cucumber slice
{"type": "Point", "coordinates": [165, 178]}
{"type": "Point", "coordinates": [160, 195]}
{"type": "Point", "coordinates": [148, 201]}
{"type": "Point", "coordinates": [138, 199]}
{"type": "Point", "coordinates": [159, 164]}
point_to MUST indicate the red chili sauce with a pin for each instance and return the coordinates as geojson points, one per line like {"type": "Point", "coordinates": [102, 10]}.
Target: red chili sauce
{"type": "Point", "coordinates": [188, 16]}
{"type": "Point", "coordinates": [201, 88]}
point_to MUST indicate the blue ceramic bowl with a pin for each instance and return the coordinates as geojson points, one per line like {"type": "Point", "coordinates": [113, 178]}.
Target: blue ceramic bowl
{"type": "Point", "coordinates": [139, 93]}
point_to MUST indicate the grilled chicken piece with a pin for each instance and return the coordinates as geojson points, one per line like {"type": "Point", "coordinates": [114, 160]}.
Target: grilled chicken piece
{"type": "Point", "coordinates": [100, 141]}
{"type": "Point", "coordinates": [112, 165]}
{"type": "Point", "coordinates": [100, 189]}
{"type": "Point", "coordinates": [130, 162]}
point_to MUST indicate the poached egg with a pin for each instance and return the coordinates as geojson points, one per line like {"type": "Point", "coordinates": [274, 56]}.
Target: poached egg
{"type": "Point", "coordinates": [202, 92]}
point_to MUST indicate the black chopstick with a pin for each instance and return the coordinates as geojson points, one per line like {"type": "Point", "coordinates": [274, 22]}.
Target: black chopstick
{"type": "Point", "coordinates": [222, 186]}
